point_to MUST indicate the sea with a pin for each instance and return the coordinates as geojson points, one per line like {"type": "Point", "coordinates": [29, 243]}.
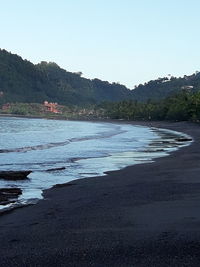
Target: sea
{"type": "Point", "coordinates": [60, 151]}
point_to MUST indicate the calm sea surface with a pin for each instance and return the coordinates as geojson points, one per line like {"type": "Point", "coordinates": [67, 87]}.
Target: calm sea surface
{"type": "Point", "coordinates": [84, 149]}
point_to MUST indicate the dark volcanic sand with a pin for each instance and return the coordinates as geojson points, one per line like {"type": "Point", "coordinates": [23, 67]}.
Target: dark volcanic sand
{"type": "Point", "coordinates": [144, 215]}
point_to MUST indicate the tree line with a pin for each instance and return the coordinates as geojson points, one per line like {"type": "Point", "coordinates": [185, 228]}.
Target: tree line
{"type": "Point", "coordinates": [184, 106]}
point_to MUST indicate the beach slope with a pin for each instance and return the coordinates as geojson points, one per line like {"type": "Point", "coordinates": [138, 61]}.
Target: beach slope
{"type": "Point", "coordinates": [144, 215]}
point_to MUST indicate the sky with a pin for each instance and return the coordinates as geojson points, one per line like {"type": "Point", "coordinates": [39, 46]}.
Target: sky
{"type": "Point", "coordinates": [125, 41]}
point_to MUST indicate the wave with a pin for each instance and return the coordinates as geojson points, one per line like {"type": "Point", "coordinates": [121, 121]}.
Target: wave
{"type": "Point", "coordinates": [64, 143]}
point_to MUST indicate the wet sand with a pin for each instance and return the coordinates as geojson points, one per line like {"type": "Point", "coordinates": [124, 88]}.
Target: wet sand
{"type": "Point", "coordinates": [144, 215]}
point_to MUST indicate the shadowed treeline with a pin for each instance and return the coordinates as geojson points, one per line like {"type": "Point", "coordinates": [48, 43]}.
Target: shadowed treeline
{"type": "Point", "coordinates": [184, 106]}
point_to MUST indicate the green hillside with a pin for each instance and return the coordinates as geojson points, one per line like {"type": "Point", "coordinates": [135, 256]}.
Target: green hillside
{"type": "Point", "coordinates": [165, 87]}
{"type": "Point", "coordinates": [22, 81]}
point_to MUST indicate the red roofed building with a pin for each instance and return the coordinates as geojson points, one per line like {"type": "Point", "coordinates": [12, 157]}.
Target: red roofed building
{"type": "Point", "coordinates": [51, 107]}
{"type": "Point", "coordinates": [6, 106]}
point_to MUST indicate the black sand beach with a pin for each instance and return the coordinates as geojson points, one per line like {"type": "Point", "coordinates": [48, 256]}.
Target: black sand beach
{"type": "Point", "coordinates": [144, 215]}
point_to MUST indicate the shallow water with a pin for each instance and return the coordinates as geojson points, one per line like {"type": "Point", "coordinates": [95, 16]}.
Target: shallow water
{"type": "Point", "coordinates": [82, 149]}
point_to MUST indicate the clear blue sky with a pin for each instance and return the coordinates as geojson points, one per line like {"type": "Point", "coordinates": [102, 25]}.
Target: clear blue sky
{"type": "Point", "coordinates": [126, 41]}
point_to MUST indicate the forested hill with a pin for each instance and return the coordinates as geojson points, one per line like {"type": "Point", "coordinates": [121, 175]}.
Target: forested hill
{"type": "Point", "coordinates": [166, 87]}
{"type": "Point", "coordinates": [22, 81]}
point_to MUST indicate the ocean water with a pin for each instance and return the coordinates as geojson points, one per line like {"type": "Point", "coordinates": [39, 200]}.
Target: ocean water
{"type": "Point", "coordinates": [81, 149]}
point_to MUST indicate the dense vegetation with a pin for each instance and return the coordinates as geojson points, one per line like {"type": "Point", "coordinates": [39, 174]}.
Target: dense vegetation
{"type": "Point", "coordinates": [183, 106]}
{"type": "Point", "coordinates": [22, 81]}
{"type": "Point", "coordinates": [165, 87]}
{"type": "Point", "coordinates": [65, 112]}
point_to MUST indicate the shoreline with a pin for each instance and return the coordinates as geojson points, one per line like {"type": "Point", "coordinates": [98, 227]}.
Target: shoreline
{"type": "Point", "coordinates": [166, 142]}
{"type": "Point", "coordinates": [142, 215]}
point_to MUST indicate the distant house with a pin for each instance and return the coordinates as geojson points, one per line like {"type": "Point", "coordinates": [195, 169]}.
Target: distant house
{"type": "Point", "coordinates": [187, 87]}
{"type": "Point", "coordinates": [165, 81]}
{"type": "Point", "coordinates": [51, 107]}
{"type": "Point", "coordinates": [6, 106]}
